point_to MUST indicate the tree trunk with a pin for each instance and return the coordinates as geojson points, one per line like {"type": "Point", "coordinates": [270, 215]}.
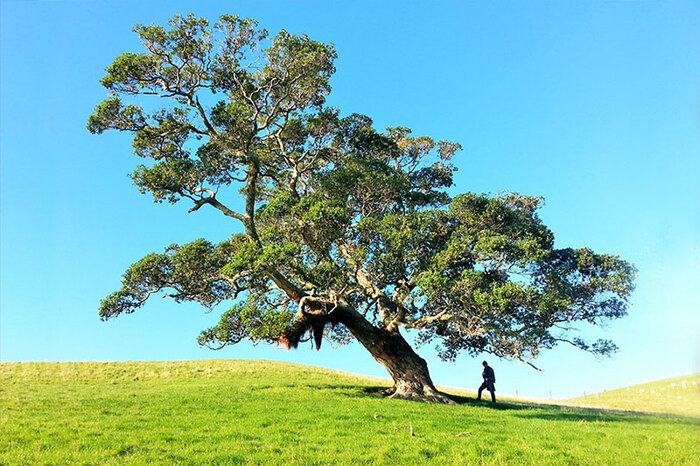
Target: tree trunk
{"type": "Point", "coordinates": [408, 370]}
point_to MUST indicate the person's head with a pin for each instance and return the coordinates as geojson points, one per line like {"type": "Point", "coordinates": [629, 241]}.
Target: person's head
{"type": "Point", "coordinates": [485, 363]}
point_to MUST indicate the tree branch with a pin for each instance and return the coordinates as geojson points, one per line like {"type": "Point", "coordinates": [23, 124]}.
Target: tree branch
{"type": "Point", "coordinates": [423, 321]}
{"type": "Point", "coordinates": [212, 201]}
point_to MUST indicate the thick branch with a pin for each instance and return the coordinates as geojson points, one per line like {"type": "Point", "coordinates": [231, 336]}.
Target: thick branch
{"type": "Point", "coordinates": [250, 198]}
{"type": "Point", "coordinates": [218, 205]}
{"type": "Point", "coordinates": [195, 103]}
{"type": "Point", "coordinates": [385, 304]}
{"type": "Point", "coordinates": [284, 284]}
{"type": "Point", "coordinates": [423, 321]}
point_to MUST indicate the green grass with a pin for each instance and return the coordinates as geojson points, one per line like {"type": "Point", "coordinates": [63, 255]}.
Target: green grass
{"type": "Point", "coordinates": [220, 412]}
{"type": "Point", "coordinates": [679, 396]}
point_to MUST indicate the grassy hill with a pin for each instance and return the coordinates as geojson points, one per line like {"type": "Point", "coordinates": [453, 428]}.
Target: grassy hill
{"type": "Point", "coordinates": [219, 412]}
{"type": "Point", "coordinates": [679, 396]}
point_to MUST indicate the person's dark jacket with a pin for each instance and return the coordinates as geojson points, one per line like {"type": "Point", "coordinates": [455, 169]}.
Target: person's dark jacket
{"type": "Point", "coordinates": [489, 375]}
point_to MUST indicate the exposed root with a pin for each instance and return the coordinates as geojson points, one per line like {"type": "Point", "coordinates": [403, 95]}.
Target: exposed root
{"type": "Point", "coordinates": [423, 393]}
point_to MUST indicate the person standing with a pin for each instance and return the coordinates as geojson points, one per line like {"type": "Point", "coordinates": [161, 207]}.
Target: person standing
{"type": "Point", "coordinates": [489, 380]}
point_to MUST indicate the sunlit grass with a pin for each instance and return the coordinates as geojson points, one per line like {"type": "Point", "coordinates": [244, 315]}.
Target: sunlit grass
{"type": "Point", "coordinates": [679, 396]}
{"type": "Point", "coordinates": [269, 412]}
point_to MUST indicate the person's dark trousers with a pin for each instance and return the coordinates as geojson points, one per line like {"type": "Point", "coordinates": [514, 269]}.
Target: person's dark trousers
{"type": "Point", "coordinates": [488, 385]}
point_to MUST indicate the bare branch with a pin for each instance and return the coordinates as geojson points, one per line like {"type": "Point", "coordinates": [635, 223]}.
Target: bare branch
{"type": "Point", "coordinates": [423, 321]}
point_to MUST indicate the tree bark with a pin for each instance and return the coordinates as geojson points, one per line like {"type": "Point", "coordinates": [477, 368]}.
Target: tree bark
{"type": "Point", "coordinates": [408, 370]}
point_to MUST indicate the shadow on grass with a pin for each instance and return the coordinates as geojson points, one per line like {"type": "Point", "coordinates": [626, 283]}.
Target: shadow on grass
{"type": "Point", "coordinates": [375, 390]}
{"type": "Point", "coordinates": [348, 390]}
{"type": "Point", "coordinates": [467, 400]}
{"type": "Point", "coordinates": [557, 414]}
{"type": "Point", "coordinates": [554, 412]}
{"type": "Point", "coordinates": [530, 410]}
{"type": "Point", "coordinates": [600, 414]}
{"type": "Point", "coordinates": [351, 389]}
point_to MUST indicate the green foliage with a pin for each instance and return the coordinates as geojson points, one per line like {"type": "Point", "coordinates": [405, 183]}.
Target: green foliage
{"type": "Point", "coordinates": [261, 412]}
{"type": "Point", "coordinates": [166, 179]}
{"type": "Point", "coordinates": [505, 288]}
{"type": "Point", "coordinates": [197, 271]}
{"type": "Point", "coordinates": [250, 320]}
{"type": "Point", "coordinates": [176, 60]}
{"type": "Point", "coordinates": [333, 208]}
{"type": "Point", "coordinates": [111, 114]}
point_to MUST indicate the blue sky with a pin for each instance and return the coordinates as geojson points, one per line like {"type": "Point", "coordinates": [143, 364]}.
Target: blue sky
{"type": "Point", "coordinates": [593, 105]}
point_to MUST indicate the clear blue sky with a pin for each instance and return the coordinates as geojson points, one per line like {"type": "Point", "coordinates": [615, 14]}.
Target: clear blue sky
{"type": "Point", "coordinates": [593, 105]}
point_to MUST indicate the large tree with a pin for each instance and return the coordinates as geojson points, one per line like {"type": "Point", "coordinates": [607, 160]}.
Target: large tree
{"type": "Point", "coordinates": [343, 232]}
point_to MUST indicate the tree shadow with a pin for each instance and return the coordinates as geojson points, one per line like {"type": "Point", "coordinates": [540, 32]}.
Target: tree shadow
{"type": "Point", "coordinates": [374, 390]}
{"type": "Point", "coordinates": [555, 412]}
{"type": "Point", "coordinates": [526, 409]}
{"type": "Point", "coordinates": [351, 390]}
{"type": "Point", "coordinates": [486, 403]}
{"type": "Point", "coordinates": [560, 412]}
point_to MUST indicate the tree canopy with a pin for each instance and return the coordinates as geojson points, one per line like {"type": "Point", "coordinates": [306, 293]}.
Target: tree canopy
{"type": "Point", "coordinates": [344, 231]}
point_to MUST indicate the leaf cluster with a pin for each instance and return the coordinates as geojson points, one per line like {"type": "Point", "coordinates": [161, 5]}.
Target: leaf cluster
{"type": "Point", "coordinates": [332, 208]}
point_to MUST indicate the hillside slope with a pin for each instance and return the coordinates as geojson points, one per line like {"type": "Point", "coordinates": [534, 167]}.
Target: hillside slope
{"type": "Point", "coordinates": [678, 395]}
{"type": "Point", "coordinates": [267, 412]}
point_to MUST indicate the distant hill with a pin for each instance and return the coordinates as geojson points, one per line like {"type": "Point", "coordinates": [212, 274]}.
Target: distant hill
{"type": "Point", "coordinates": [263, 412]}
{"type": "Point", "coordinates": [677, 395]}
